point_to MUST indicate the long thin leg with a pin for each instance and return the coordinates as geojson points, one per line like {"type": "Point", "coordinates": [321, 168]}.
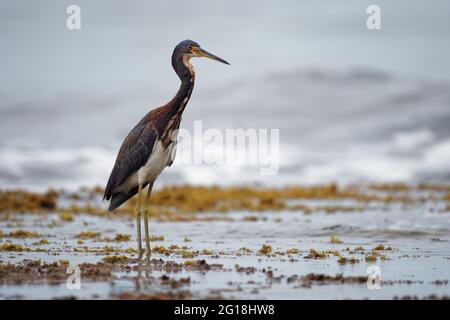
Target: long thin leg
{"type": "Point", "coordinates": [147, 236]}
{"type": "Point", "coordinates": [137, 282]}
{"type": "Point", "coordinates": [138, 222]}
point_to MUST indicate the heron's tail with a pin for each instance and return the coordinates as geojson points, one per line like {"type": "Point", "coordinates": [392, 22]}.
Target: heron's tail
{"type": "Point", "coordinates": [117, 199]}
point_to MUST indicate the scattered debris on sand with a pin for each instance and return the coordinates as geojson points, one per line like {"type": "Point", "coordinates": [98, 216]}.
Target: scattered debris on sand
{"type": "Point", "coordinates": [228, 242]}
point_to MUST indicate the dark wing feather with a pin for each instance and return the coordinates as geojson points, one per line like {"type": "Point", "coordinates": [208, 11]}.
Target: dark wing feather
{"type": "Point", "coordinates": [133, 154]}
{"type": "Point", "coordinates": [119, 198]}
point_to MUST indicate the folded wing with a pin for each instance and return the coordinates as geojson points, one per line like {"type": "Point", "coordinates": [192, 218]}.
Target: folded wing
{"type": "Point", "coordinates": [133, 154]}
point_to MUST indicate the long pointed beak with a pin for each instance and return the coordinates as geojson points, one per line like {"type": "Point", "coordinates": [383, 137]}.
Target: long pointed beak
{"type": "Point", "coordinates": [203, 53]}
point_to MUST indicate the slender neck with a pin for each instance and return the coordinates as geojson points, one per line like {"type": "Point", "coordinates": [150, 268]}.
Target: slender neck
{"type": "Point", "coordinates": [186, 73]}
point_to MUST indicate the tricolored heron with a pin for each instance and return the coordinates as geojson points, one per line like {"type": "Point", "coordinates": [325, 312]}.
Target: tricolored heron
{"type": "Point", "coordinates": [151, 144]}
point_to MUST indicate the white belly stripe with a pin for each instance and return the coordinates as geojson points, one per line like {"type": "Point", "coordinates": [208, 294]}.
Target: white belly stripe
{"type": "Point", "coordinates": [158, 160]}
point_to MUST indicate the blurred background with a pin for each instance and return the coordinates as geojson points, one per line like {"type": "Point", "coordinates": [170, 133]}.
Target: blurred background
{"type": "Point", "coordinates": [351, 104]}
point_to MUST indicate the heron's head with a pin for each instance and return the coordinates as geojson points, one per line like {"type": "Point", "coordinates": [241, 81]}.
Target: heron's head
{"type": "Point", "coordinates": [191, 49]}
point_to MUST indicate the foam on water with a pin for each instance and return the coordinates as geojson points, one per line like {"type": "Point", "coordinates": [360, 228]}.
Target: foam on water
{"type": "Point", "coordinates": [350, 104]}
{"type": "Point", "coordinates": [379, 128]}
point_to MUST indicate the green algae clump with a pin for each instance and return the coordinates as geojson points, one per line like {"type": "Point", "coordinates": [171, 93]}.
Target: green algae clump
{"type": "Point", "coordinates": [335, 239]}
{"type": "Point", "coordinates": [13, 247]}
{"type": "Point", "coordinates": [371, 258]}
{"type": "Point", "coordinates": [265, 250]}
{"type": "Point", "coordinates": [122, 237]}
{"type": "Point", "coordinates": [23, 234]}
{"type": "Point", "coordinates": [313, 254]}
{"type": "Point", "coordinates": [116, 259]}
{"type": "Point", "coordinates": [24, 201]}
{"type": "Point", "coordinates": [88, 235]}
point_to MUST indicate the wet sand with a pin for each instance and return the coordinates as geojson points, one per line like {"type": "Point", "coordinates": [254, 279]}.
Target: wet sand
{"type": "Point", "coordinates": [299, 245]}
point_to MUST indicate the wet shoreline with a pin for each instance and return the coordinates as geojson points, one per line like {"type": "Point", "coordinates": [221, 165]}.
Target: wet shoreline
{"type": "Point", "coordinates": [287, 243]}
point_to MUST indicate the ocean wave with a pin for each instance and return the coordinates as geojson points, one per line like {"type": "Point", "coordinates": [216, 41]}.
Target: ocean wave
{"type": "Point", "coordinates": [335, 125]}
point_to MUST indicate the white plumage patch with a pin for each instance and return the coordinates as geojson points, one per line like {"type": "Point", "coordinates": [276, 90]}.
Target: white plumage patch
{"type": "Point", "coordinates": [158, 160]}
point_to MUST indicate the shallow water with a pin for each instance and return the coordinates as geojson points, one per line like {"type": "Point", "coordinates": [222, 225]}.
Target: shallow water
{"type": "Point", "coordinates": [419, 239]}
